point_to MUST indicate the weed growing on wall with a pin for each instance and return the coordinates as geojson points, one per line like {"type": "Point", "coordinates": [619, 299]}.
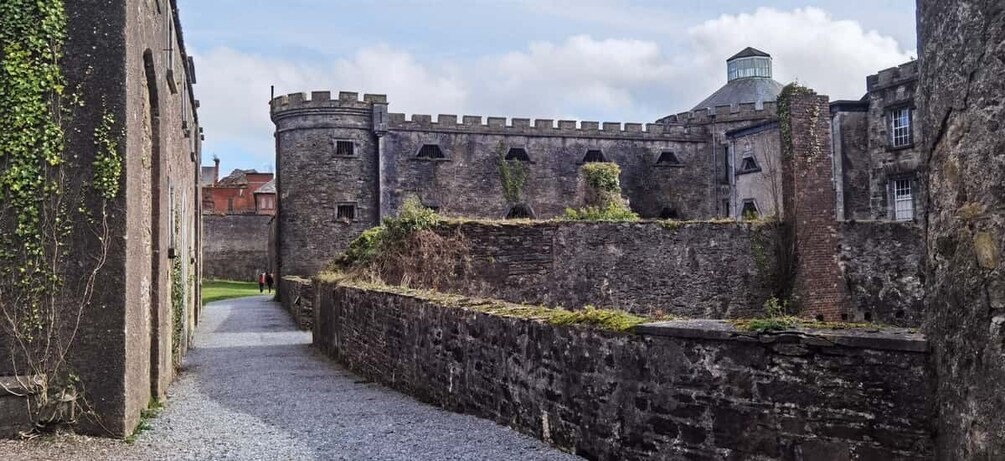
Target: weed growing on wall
{"type": "Point", "coordinates": [603, 200]}
{"type": "Point", "coordinates": [406, 249]}
{"type": "Point", "coordinates": [513, 174]}
{"type": "Point", "coordinates": [47, 208]}
{"type": "Point", "coordinates": [784, 104]}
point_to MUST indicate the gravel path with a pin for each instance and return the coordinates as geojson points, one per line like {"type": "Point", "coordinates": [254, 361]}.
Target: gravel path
{"type": "Point", "coordinates": [253, 388]}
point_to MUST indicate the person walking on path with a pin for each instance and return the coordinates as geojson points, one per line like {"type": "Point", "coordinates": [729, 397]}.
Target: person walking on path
{"type": "Point", "coordinates": [269, 280]}
{"type": "Point", "coordinates": [261, 282]}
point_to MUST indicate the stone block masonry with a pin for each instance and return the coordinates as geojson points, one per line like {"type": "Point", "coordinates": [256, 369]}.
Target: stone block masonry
{"type": "Point", "coordinates": [296, 295]}
{"type": "Point", "coordinates": [960, 104]}
{"type": "Point", "coordinates": [235, 246]}
{"type": "Point", "coordinates": [883, 265]}
{"type": "Point", "coordinates": [682, 390]}
{"type": "Point", "coordinates": [700, 270]}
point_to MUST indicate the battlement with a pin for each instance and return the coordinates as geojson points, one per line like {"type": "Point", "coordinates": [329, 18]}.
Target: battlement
{"type": "Point", "coordinates": [538, 127]}
{"type": "Point", "coordinates": [324, 100]}
{"type": "Point", "coordinates": [892, 76]}
{"type": "Point", "coordinates": [720, 114]}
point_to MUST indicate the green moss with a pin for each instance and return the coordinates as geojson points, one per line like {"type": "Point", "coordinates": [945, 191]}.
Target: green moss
{"type": "Point", "coordinates": [600, 318]}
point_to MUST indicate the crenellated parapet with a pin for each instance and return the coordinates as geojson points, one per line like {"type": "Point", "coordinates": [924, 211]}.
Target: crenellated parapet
{"type": "Point", "coordinates": [722, 114]}
{"type": "Point", "coordinates": [893, 76]}
{"type": "Point", "coordinates": [541, 127]}
{"type": "Point", "coordinates": [322, 102]}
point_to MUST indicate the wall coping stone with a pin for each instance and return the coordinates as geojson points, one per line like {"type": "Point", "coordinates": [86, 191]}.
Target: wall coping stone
{"type": "Point", "coordinates": [889, 339]}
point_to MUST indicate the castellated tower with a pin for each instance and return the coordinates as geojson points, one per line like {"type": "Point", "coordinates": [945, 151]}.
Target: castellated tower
{"type": "Point", "coordinates": [327, 159]}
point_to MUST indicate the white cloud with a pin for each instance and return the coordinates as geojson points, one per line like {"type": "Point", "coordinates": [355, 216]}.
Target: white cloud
{"type": "Point", "coordinates": [807, 44]}
{"type": "Point", "coordinates": [580, 77]}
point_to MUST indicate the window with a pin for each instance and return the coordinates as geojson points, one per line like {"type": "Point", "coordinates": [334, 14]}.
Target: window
{"type": "Point", "coordinates": [749, 210]}
{"type": "Point", "coordinates": [346, 212]}
{"type": "Point", "coordinates": [518, 153]}
{"type": "Point", "coordinates": [900, 127]}
{"type": "Point", "coordinates": [903, 200]}
{"type": "Point", "coordinates": [594, 156]}
{"type": "Point", "coordinates": [520, 211]}
{"type": "Point", "coordinates": [268, 202]}
{"type": "Point", "coordinates": [344, 148]}
{"type": "Point", "coordinates": [431, 151]}
{"type": "Point", "coordinates": [748, 165]}
{"type": "Point", "coordinates": [669, 159]}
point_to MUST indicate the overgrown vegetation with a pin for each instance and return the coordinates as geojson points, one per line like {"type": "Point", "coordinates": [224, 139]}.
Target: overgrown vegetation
{"type": "Point", "coordinates": [54, 234]}
{"type": "Point", "coordinates": [219, 290]}
{"type": "Point", "coordinates": [778, 317]}
{"type": "Point", "coordinates": [602, 200]}
{"type": "Point", "coordinates": [513, 174]}
{"type": "Point", "coordinates": [405, 248]}
{"type": "Point", "coordinates": [784, 104]}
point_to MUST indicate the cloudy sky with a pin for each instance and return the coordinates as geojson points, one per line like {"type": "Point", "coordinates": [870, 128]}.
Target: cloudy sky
{"type": "Point", "coordinates": [603, 60]}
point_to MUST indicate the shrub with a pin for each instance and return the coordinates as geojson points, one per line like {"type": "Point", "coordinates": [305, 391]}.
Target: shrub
{"type": "Point", "coordinates": [603, 200]}
{"type": "Point", "coordinates": [412, 218]}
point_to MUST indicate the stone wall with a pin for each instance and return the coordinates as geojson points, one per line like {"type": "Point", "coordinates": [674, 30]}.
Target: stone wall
{"type": "Point", "coordinates": [235, 247]}
{"type": "Point", "coordinates": [700, 270]}
{"type": "Point", "coordinates": [296, 295]}
{"type": "Point", "coordinates": [883, 265]}
{"type": "Point", "coordinates": [960, 94]}
{"type": "Point", "coordinates": [686, 390]}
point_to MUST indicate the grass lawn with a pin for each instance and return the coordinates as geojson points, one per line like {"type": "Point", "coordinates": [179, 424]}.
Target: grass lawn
{"type": "Point", "coordinates": [218, 290]}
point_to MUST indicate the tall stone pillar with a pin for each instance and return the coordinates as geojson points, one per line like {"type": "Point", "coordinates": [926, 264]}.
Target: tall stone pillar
{"type": "Point", "coordinates": [962, 107]}
{"type": "Point", "coordinates": [811, 204]}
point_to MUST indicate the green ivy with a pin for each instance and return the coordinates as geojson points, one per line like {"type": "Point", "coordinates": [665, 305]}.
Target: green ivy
{"type": "Point", "coordinates": [513, 174]}
{"type": "Point", "coordinates": [107, 162]}
{"type": "Point", "coordinates": [784, 104]}
{"type": "Point", "coordinates": [32, 33]}
{"type": "Point", "coordinates": [603, 195]}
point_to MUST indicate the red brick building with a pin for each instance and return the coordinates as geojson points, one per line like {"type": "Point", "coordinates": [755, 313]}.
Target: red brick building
{"type": "Point", "coordinates": [241, 192]}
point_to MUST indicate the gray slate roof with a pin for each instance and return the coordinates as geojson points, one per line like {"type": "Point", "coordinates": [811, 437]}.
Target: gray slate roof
{"type": "Point", "coordinates": [743, 90]}
{"type": "Point", "coordinates": [749, 52]}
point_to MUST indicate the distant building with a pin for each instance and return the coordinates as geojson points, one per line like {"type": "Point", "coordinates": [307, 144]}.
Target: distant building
{"type": "Point", "coordinates": [241, 192]}
{"type": "Point", "coordinates": [722, 159]}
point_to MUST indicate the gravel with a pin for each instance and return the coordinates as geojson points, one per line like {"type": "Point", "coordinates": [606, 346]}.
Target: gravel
{"type": "Point", "coordinates": [253, 388]}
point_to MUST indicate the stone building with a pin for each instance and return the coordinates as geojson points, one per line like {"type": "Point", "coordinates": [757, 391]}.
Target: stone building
{"type": "Point", "coordinates": [129, 62]}
{"type": "Point", "coordinates": [237, 212]}
{"type": "Point", "coordinates": [720, 159]}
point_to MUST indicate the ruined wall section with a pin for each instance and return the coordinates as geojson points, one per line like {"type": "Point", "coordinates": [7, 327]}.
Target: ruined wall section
{"type": "Point", "coordinates": [680, 390]}
{"type": "Point", "coordinates": [960, 104]}
{"type": "Point", "coordinates": [850, 128]}
{"type": "Point", "coordinates": [314, 179]}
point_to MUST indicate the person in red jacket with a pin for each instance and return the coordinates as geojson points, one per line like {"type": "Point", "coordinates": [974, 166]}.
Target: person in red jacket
{"type": "Point", "coordinates": [261, 282]}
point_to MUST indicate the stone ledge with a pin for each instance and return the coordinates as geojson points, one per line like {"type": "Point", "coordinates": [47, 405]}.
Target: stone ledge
{"type": "Point", "coordinates": [891, 339]}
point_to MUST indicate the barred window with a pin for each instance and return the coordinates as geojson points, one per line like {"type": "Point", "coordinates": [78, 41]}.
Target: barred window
{"type": "Point", "coordinates": [431, 151]}
{"type": "Point", "coordinates": [669, 158]}
{"type": "Point", "coordinates": [594, 156]}
{"type": "Point", "coordinates": [900, 127]}
{"type": "Point", "coordinates": [344, 148]}
{"type": "Point", "coordinates": [345, 212]}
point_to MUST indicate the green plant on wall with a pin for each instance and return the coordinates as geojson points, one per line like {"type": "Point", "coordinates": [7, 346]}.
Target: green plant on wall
{"type": "Point", "coordinates": [54, 232]}
{"type": "Point", "coordinates": [784, 104]}
{"type": "Point", "coordinates": [513, 174]}
{"type": "Point", "coordinates": [603, 200]}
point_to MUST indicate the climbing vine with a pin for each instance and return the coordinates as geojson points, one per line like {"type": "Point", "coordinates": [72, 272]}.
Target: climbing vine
{"type": "Point", "coordinates": [603, 200]}
{"type": "Point", "coordinates": [513, 174]}
{"type": "Point", "coordinates": [45, 282]}
{"type": "Point", "coordinates": [784, 105]}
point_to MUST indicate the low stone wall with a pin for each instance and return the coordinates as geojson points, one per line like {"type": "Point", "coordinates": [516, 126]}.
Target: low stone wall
{"type": "Point", "coordinates": [700, 270]}
{"type": "Point", "coordinates": [14, 415]}
{"type": "Point", "coordinates": [883, 266]}
{"type": "Point", "coordinates": [685, 390]}
{"type": "Point", "coordinates": [296, 295]}
{"type": "Point", "coordinates": [235, 247]}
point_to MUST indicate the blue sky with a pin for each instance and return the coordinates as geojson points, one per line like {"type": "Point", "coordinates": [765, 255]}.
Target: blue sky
{"type": "Point", "coordinates": [604, 60]}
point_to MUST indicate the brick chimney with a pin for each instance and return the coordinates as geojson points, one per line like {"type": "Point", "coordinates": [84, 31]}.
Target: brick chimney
{"type": "Point", "coordinates": [216, 169]}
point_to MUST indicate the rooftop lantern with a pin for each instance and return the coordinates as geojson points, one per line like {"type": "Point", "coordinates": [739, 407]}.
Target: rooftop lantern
{"type": "Point", "coordinates": [749, 63]}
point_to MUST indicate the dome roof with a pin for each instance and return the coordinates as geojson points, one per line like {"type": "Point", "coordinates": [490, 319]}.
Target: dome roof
{"type": "Point", "coordinates": [742, 91]}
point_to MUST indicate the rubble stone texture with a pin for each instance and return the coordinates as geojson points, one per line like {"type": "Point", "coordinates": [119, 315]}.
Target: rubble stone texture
{"type": "Point", "coordinates": [963, 59]}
